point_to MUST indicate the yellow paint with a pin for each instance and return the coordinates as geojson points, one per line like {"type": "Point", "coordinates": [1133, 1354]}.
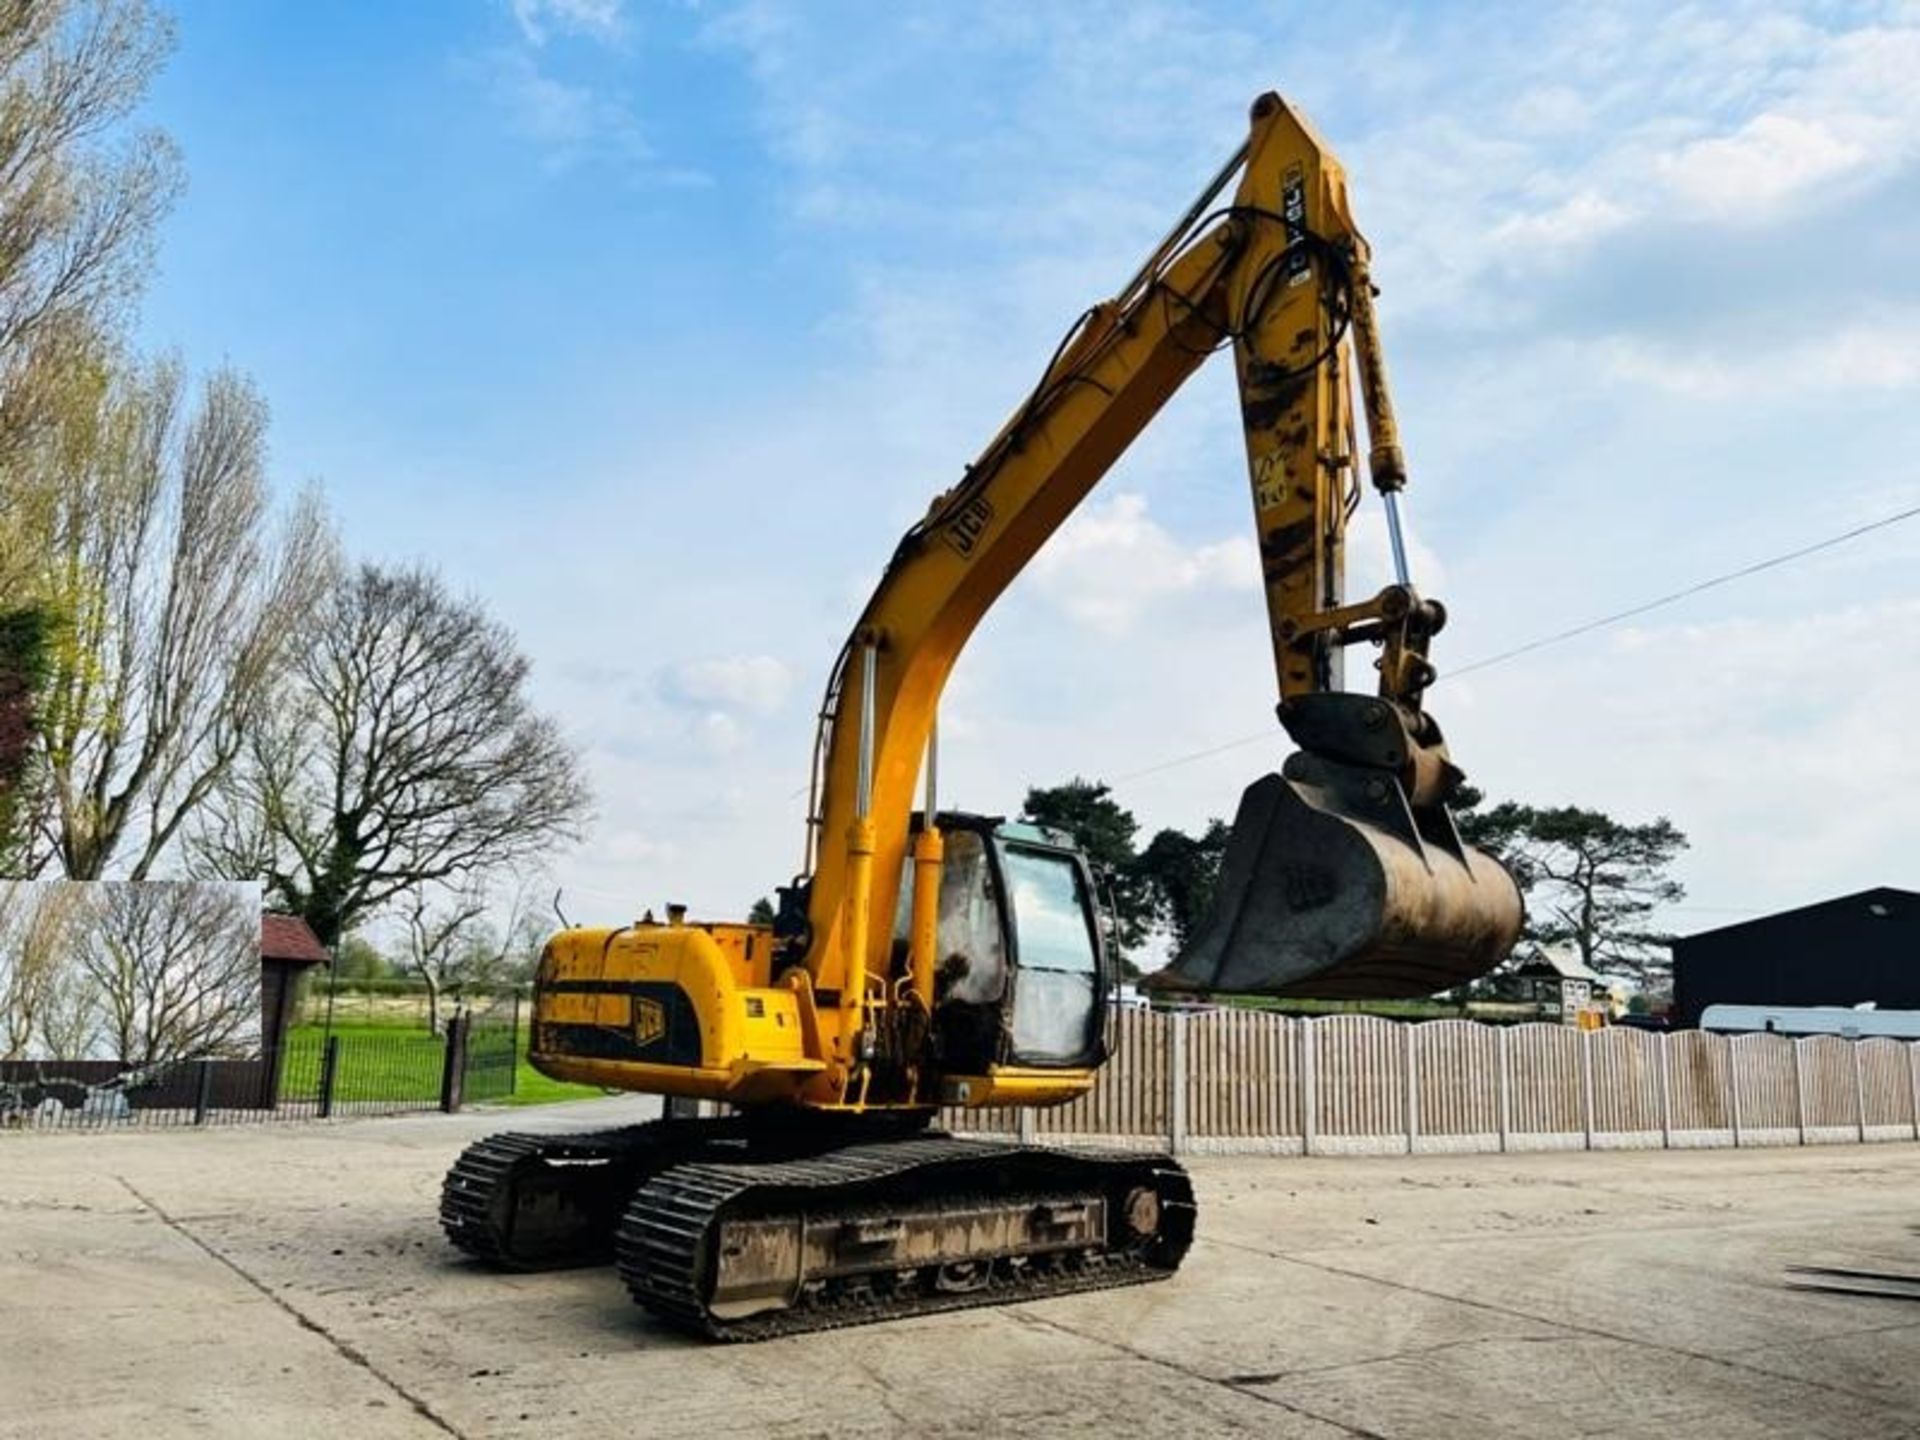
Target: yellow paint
{"type": "Point", "coordinates": [1012, 1085]}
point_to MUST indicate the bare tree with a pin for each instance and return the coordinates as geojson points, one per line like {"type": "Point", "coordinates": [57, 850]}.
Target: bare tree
{"type": "Point", "coordinates": [19, 1019]}
{"type": "Point", "coordinates": [80, 197]}
{"type": "Point", "coordinates": [24, 637]}
{"type": "Point", "coordinates": [523, 937]}
{"type": "Point", "coordinates": [46, 1005]}
{"type": "Point", "coordinates": [179, 604]}
{"type": "Point", "coordinates": [176, 966]}
{"type": "Point", "coordinates": [72, 1024]}
{"type": "Point", "coordinates": [451, 943]}
{"type": "Point", "coordinates": [404, 754]}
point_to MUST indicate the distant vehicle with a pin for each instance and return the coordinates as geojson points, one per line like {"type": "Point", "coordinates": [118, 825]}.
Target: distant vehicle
{"type": "Point", "coordinates": [1850, 1024]}
{"type": "Point", "coordinates": [46, 1101]}
{"type": "Point", "coordinates": [1128, 997]}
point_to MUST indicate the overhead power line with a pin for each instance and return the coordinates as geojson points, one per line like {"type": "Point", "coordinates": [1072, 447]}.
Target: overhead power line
{"type": "Point", "coordinates": [1189, 758]}
{"type": "Point", "coordinates": [1771, 562]}
{"type": "Point", "coordinates": [1585, 628]}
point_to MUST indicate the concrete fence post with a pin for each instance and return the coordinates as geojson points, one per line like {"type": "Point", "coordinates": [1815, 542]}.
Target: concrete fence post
{"type": "Point", "coordinates": [1666, 1090]}
{"type": "Point", "coordinates": [1503, 1063]}
{"type": "Point", "coordinates": [1733, 1088]}
{"type": "Point", "coordinates": [1024, 1124]}
{"type": "Point", "coordinates": [1413, 1088]}
{"type": "Point", "coordinates": [453, 1070]}
{"type": "Point", "coordinates": [1913, 1084]}
{"type": "Point", "coordinates": [1309, 1085]}
{"type": "Point", "coordinates": [1799, 1092]}
{"type": "Point", "coordinates": [1586, 1086]}
{"type": "Point", "coordinates": [1177, 1084]}
{"type": "Point", "coordinates": [1859, 1095]}
{"type": "Point", "coordinates": [1282, 1066]}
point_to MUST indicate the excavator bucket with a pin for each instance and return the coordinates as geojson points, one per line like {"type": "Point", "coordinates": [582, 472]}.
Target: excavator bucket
{"type": "Point", "coordinates": [1335, 887]}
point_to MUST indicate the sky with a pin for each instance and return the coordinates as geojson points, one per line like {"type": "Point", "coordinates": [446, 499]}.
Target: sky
{"type": "Point", "coordinates": [652, 325]}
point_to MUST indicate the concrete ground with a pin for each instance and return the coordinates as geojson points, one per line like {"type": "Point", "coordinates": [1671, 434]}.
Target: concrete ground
{"type": "Point", "coordinates": [289, 1281]}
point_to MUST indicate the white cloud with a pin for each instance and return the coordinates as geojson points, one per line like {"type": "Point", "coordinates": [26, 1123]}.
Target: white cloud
{"type": "Point", "coordinates": [1556, 109]}
{"type": "Point", "coordinates": [1773, 743]}
{"type": "Point", "coordinates": [1878, 355]}
{"type": "Point", "coordinates": [1111, 564]}
{"type": "Point", "coordinates": [603, 20]}
{"type": "Point", "coordinates": [758, 684]}
{"type": "Point", "coordinates": [631, 847]}
{"type": "Point", "coordinates": [1759, 167]}
{"type": "Point", "coordinates": [1833, 109]}
{"type": "Point", "coordinates": [1571, 224]}
{"type": "Point", "coordinates": [563, 100]}
{"type": "Point", "coordinates": [953, 186]}
{"type": "Point", "coordinates": [569, 121]}
{"type": "Point", "coordinates": [1722, 117]}
{"type": "Point", "coordinates": [719, 733]}
{"type": "Point", "coordinates": [541, 107]}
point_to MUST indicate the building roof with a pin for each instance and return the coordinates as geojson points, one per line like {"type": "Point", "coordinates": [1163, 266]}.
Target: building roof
{"type": "Point", "coordinates": [1562, 960]}
{"type": "Point", "coordinates": [287, 938]}
{"type": "Point", "coordinates": [1905, 903]}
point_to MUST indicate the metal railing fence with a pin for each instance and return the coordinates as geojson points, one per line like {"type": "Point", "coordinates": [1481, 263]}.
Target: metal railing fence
{"type": "Point", "coordinates": [311, 1076]}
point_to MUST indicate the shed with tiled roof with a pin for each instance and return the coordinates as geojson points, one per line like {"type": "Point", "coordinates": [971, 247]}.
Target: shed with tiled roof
{"type": "Point", "coordinates": [290, 939]}
{"type": "Point", "coordinates": [288, 950]}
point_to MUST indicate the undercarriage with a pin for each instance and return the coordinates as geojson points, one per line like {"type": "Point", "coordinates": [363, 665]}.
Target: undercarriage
{"type": "Point", "coordinates": [724, 1229]}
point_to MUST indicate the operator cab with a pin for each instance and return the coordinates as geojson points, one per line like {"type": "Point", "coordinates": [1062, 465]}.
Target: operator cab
{"type": "Point", "coordinates": [1021, 975]}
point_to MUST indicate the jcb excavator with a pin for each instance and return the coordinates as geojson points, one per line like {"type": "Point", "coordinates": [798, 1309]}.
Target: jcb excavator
{"type": "Point", "coordinates": [928, 957]}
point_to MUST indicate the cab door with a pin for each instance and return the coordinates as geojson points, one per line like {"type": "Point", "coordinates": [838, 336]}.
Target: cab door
{"type": "Point", "coordinates": [1059, 975]}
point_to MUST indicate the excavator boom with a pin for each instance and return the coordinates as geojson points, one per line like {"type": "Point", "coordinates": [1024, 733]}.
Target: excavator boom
{"type": "Point", "coordinates": [1280, 272]}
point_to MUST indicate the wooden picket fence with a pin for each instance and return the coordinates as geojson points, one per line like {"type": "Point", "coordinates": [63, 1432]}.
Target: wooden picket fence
{"type": "Point", "coordinates": [1235, 1081]}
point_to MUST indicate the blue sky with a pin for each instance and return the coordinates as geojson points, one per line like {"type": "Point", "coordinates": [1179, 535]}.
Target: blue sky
{"type": "Point", "coordinates": [653, 324]}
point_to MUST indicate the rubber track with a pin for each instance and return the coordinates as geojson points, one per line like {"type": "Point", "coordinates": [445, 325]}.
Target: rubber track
{"type": "Point", "coordinates": [662, 1240]}
{"type": "Point", "coordinates": [471, 1198]}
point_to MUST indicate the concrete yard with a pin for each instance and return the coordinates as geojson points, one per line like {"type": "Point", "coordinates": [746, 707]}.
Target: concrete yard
{"type": "Point", "coordinates": [290, 1281]}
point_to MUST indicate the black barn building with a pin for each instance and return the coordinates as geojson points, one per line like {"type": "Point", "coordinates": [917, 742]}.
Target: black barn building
{"type": "Point", "coordinates": [1838, 952]}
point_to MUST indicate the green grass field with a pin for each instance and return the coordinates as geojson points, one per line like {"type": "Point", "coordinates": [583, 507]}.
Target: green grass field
{"type": "Point", "coordinates": [400, 1059]}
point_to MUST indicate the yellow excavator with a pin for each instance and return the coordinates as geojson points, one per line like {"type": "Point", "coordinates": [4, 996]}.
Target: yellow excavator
{"type": "Point", "coordinates": [927, 957]}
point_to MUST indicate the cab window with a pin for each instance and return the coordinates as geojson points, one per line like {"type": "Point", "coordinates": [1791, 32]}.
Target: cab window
{"type": "Point", "coordinates": [1056, 1011]}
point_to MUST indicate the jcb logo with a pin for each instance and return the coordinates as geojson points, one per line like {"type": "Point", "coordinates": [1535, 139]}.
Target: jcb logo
{"type": "Point", "coordinates": [1293, 209]}
{"type": "Point", "coordinates": [963, 532]}
{"type": "Point", "coordinates": [649, 1021]}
